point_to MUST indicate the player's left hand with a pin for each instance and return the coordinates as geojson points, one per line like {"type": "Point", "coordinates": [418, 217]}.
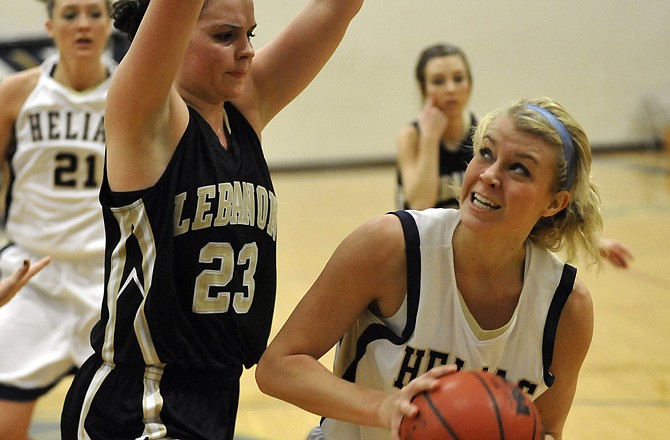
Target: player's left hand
{"type": "Point", "coordinates": [615, 252]}
{"type": "Point", "coordinates": [10, 285]}
{"type": "Point", "coordinates": [402, 400]}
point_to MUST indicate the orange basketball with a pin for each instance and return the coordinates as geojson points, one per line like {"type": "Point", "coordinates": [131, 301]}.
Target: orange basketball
{"type": "Point", "coordinates": [473, 405]}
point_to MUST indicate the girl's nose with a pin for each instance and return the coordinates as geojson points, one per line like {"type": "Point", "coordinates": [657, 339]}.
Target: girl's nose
{"type": "Point", "coordinates": [84, 21]}
{"type": "Point", "coordinates": [491, 176]}
{"type": "Point", "coordinates": [248, 50]}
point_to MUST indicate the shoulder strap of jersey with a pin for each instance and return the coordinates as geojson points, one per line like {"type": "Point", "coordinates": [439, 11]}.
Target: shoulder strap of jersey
{"type": "Point", "coordinates": [379, 331]}
{"type": "Point", "coordinates": [561, 295]}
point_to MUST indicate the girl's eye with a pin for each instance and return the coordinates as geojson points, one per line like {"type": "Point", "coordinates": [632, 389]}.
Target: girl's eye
{"type": "Point", "coordinates": [72, 15]}
{"type": "Point", "coordinates": [224, 37]}
{"type": "Point", "coordinates": [518, 168]}
{"type": "Point", "coordinates": [485, 153]}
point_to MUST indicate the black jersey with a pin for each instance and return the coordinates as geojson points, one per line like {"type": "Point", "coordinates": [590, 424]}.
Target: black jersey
{"type": "Point", "coordinates": [452, 169]}
{"type": "Point", "coordinates": [190, 286]}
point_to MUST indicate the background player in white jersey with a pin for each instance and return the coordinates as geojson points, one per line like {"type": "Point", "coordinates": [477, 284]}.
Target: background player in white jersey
{"type": "Point", "coordinates": [475, 288]}
{"type": "Point", "coordinates": [52, 135]}
{"type": "Point", "coordinates": [190, 214]}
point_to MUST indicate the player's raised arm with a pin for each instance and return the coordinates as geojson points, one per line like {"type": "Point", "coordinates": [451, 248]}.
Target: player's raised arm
{"type": "Point", "coordinates": [284, 67]}
{"type": "Point", "coordinates": [145, 115]}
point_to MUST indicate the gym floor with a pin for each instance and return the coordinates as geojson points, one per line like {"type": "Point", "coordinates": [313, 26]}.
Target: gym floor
{"type": "Point", "coordinates": [624, 389]}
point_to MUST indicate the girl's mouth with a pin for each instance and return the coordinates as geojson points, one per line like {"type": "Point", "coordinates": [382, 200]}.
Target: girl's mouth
{"type": "Point", "coordinates": [482, 202]}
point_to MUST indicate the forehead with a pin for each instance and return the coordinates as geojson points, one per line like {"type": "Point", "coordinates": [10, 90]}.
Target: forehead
{"type": "Point", "coordinates": [60, 4]}
{"type": "Point", "coordinates": [503, 133]}
{"type": "Point", "coordinates": [233, 12]}
{"type": "Point", "coordinates": [448, 64]}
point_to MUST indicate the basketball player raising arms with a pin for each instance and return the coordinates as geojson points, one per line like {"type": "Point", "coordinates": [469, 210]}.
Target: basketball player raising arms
{"type": "Point", "coordinates": [410, 296]}
{"type": "Point", "coordinates": [190, 214]}
{"type": "Point", "coordinates": [52, 135]}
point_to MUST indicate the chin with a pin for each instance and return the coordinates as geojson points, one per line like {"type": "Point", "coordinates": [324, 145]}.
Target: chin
{"type": "Point", "coordinates": [472, 216]}
{"type": "Point", "coordinates": [234, 92]}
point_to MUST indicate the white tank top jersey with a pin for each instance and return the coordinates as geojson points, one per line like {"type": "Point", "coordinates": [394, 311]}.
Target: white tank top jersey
{"type": "Point", "coordinates": [53, 207]}
{"type": "Point", "coordinates": [432, 327]}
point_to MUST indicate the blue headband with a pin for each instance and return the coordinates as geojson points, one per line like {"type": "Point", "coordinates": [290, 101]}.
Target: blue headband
{"type": "Point", "coordinates": [566, 139]}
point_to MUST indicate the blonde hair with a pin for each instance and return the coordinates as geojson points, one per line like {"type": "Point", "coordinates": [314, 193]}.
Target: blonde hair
{"type": "Point", "coordinates": [577, 227]}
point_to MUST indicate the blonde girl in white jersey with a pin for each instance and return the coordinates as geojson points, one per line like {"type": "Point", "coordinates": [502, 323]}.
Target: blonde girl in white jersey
{"type": "Point", "coordinates": [51, 134]}
{"type": "Point", "coordinates": [472, 288]}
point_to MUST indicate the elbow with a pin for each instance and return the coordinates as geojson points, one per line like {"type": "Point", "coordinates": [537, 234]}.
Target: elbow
{"type": "Point", "coordinates": [348, 9]}
{"type": "Point", "coordinates": [261, 375]}
{"type": "Point", "coordinates": [420, 199]}
{"type": "Point", "coordinates": [264, 376]}
{"type": "Point", "coordinates": [354, 7]}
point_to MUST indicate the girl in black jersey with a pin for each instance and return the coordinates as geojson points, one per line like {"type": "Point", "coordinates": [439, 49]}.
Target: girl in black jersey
{"type": "Point", "coordinates": [190, 214]}
{"type": "Point", "coordinates": [434, 151]}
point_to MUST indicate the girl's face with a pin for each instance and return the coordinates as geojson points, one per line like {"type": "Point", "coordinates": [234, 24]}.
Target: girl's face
{"type": "Point", "coordinates": [218, 59]}
{"type": "Point", "coordinates": [447, 80]}
{"type": "Point", "coordinates": [509, 183]}
{"type": "Point", "coordinates": [80, 28]}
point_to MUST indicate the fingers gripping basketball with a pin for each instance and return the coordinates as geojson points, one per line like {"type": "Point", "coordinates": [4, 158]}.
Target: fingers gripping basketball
{"type": "Point", "coordinates": [472, 405]}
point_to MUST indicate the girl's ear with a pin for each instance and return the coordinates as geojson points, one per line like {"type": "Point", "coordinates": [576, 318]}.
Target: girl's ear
{"type": "Point", "coordinates": [49, 27]}
{"type": "Point", "coordinates": [557, 204]}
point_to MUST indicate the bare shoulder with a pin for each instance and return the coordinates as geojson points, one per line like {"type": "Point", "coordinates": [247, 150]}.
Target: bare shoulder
{"type": "Point", "coordinates": [375, 257]}
{"type": "Point", "coordinates": [383, 229]}
{"type": "Point", "coordinates": [371, 254]}
{"type": "Point", "coordinates": [576, 323]}
{"type": "Point", "coordinates": [376, 243]}
{"type": "Point", "coordinates": [407, 134]}
{"type": "Point", "coordinates": [14, 89]}
{"type": "Point", "coordinates": [24, 78]}
{"type": "Point", "coordinates": [407, 142]}
{"type": "Point", "coordinates": [579, 304]}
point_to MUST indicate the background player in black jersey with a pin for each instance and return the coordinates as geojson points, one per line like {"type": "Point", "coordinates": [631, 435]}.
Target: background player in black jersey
{"type": "Point", "coordinates": [433, 151]}
{"type": "Point", "coordinates": [190, 213]}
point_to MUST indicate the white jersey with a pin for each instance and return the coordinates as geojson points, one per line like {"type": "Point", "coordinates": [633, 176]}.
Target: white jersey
{"type": "Point", "coordinates": [432, 327]}
{"type": "Point", "coordinates": [53, 206]}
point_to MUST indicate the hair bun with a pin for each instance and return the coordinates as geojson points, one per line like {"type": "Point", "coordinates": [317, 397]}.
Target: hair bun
{"type": "Point", "coordinates": [128, 14]}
